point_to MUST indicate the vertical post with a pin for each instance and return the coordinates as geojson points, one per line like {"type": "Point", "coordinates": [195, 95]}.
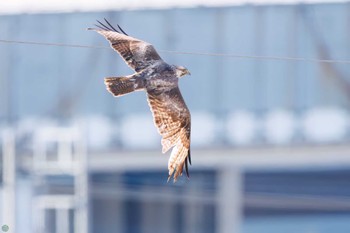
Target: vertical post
{"type": "Point", "coordinates": [62, 220]}
{"type": "Point", "coordinates": [81, 215]}
{"type": "Point", "coordinates": [190, 214]}
{"type": "Point", "coordinates": [169, 217]}
{"type": "Point", "coordinates": [229, 200]}
{"type": "Point", "coordinates": [39, 220]}
{"type": "Point", "coordinates": [149, 212]}
{"type": "Point", "coordinates": [9, 179]}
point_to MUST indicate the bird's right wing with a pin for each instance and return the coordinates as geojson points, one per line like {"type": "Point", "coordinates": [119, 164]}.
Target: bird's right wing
{"type": "Point", "coordinates": [173, 120]}
{"type": "Point", "coordinates": [136, 53]}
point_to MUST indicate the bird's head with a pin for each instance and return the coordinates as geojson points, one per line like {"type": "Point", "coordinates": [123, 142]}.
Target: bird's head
{"type": "Point", "coordinates": [181, 71]}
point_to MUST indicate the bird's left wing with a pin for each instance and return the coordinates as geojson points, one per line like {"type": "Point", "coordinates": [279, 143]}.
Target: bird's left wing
{"type": "Point", "coordinates": [136, 53]}
{"type": "Point", "coordinates": [173, 120]}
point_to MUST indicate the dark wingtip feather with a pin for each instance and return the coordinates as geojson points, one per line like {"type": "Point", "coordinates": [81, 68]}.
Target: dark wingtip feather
{"type": "Point", "coordinates": [111, 26]}
{"type": "Point", "coordinates": [189, 156]}
{"type": "Point", "coordinates": [99, 27]}
{"type": "Point", "coordinates": [103, 26]}
{"type": "Point", "coordinates": [122, 30]}
{"type": "Point", "coordinates": [186, 168]}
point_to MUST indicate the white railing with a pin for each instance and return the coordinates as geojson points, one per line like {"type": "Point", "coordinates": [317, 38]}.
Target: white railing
{"type": "Point", "coordinates": [60, 151]}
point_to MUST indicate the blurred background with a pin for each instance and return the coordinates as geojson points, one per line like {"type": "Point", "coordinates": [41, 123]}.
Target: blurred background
{"type": "Point", "coordinates": [270, 134]}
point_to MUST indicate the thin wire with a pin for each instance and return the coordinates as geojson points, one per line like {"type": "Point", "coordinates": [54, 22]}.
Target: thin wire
{"type": "Point", "coordinates": [261, 57]}
{"type": "Point", "coordinates": [237, 56]}
{"type": "Point", "coordinates": [53, 44]}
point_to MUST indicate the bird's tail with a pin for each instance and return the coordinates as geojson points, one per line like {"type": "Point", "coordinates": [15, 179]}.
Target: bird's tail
{"type": "Point", "coordinates": [119, 86]}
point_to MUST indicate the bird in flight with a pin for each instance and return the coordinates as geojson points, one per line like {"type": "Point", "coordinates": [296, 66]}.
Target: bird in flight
{"type": "Point", "coordinates": [160, 81]}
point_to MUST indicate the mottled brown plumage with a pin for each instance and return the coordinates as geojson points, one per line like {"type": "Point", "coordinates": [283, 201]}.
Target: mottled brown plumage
{"type": "Point", "coordinates": [160, 80]}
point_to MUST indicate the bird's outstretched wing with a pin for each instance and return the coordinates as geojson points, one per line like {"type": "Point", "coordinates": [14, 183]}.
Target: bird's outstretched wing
{"type": "Point", "coordinates": [173, 120]}
{"type": "Point", "coordinates": [136, 53]}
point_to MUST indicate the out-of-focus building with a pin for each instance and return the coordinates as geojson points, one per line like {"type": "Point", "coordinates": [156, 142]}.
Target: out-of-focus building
{"type": "Point", "coordinates": [270, 134]}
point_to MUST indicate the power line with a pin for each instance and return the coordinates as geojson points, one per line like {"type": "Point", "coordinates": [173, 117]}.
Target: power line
{"type": "Point", "coordinates": [281, 58]}
{"type": "Point", "coordinates": [53, 44]}
{"type": "Point", "coordinates": [237, 56]}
